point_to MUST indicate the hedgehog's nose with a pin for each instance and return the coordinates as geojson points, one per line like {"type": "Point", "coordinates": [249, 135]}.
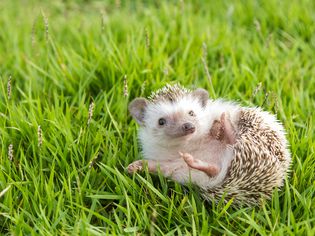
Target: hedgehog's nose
{"type": "Point", "coordinates": [188, 128]}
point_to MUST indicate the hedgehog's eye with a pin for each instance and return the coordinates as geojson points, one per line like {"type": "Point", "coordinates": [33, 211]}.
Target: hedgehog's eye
{"type": "Point", "coordinates": [162, 121]}
{"type": "Point", "coordinates": [191, 113]}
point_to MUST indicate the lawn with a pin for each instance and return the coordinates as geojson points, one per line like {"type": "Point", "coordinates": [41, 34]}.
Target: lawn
{"type": "Point", "coordinates": [68, 71]}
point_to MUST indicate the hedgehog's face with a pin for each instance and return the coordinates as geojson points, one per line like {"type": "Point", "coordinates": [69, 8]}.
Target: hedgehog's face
{"type": "Point", "coordinates": [171, 122]}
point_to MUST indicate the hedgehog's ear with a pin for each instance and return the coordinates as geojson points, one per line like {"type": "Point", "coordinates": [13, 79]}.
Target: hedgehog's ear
{"type": "Point", "coordinates": [202, 95]}
{"type": "Point", "coordinates": [137, 108]}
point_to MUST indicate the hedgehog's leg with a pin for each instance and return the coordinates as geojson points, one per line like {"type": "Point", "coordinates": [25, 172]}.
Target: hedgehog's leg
{"type": "Point", "coordinates": [210, 170]}
{"type": "Point", "coordinates": [177, 170]}
{"type": "Point", "coordinates": [228, 129]}
{"type": "Point", "coordinates": [165, 167]}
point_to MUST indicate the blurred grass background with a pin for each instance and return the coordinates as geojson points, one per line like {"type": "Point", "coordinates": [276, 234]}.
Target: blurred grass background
{"type": "Point", "coordinates": [60, 59]}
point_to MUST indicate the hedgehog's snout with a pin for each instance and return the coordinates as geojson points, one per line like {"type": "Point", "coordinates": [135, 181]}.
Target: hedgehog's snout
{"type": "Point", "coordinates": [188, 128]}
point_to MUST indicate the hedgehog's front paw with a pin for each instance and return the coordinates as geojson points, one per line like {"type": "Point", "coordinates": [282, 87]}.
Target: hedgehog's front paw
{"type": "Point", "coordinates": [135, 166]}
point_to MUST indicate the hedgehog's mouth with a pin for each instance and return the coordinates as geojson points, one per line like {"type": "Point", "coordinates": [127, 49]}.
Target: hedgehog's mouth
{"type": "Point", "coordinates": [184, 133]}
{"type": "Point", "coordinates": [188, 128]}
{"type": "Point", "coordinates": [189, 131]}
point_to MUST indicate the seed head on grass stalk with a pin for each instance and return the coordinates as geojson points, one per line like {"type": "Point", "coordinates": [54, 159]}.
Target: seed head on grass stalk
{"type": "Point", "coordinates": [221, 59]}
{"type": "Point", "coordinates": [10, 152]}
{"type": "Point", "coordinates": [257, 26]}
{"type": "Point", "coordinates": [103, 20]}
{"type": "Point", "coordinates": [93, 161]}
{"type": "Point", "coordinates": [9, 87]}
{"type": "Point", "coordinates": [91, 110]}
{"type": "Point", "coordinates": [78, 184]}
{"type": "Point", "coordinates": [256, 90]}
{"type": "Point", "coordinates": [165, 71]}
{"type": "Point", "coordinates": [143, 86]}
{"type": "Point", "coordinates": [276, 102]}
{"type": "Point", "coordinates": [39, 136]}
{"type": "Point", "coordinates": [33, 40]}
{"type": "Point", "coordinates": [125, 86]}
{"type": "Point", "coordinates": [118, 3]}
{"type": "Point", "coordinates": [182, 6]}
{"type": "Point", "coordinates": [147, 38]}
{"type": "Point", "coordinates": [268, 40]}
{"type": "Point", "coordinates": [45, 19]}
{"type": "Point", "coordinates": [153, 221]}
{"type": "Point", "coordinates": [266, 99]}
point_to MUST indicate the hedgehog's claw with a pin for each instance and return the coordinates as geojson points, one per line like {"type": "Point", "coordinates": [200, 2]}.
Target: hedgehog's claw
{"type": "Point", "coordinates": [135, 166]}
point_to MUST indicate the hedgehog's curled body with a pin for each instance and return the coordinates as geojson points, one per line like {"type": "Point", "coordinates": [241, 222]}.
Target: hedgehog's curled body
{"type": "Point", "coordinates": [260, 158]}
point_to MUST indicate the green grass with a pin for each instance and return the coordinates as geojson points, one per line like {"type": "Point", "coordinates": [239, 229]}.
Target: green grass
{"type": "Point", "coordinates": [64, 55]}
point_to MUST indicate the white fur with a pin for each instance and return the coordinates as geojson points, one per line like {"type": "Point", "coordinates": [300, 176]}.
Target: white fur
{"type": "Point", "coordinates": [156, 146]}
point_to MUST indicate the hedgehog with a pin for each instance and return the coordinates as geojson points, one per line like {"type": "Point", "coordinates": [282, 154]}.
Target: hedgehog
{"type": "Point", "coordinates": [224, 149]}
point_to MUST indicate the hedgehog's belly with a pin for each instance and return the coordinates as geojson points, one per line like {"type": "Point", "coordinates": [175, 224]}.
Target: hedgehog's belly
{"type": "Point", "coordinates": [212, 152]}
{"type": "Point", "coordinates": [218, 154]}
